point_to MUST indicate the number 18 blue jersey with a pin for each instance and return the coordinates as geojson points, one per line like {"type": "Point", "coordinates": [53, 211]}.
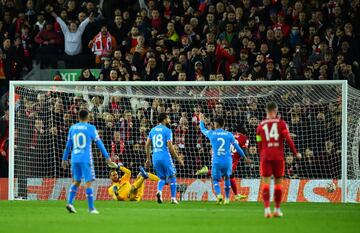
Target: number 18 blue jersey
{"type": "Point", "coordinates": [160, 135]}
{"type": "Point", "coordinates": [164, 167]}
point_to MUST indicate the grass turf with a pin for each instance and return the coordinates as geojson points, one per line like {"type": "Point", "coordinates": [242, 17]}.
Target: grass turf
{"type": "Point", "coordinates": [52, 217]}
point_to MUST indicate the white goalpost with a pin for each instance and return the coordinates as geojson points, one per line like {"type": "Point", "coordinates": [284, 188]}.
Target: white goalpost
{"type": "Point", "coordinates": [323, 117]}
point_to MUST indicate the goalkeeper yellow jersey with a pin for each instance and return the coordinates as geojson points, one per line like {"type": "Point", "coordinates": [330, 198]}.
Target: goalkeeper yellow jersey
{"type": "Point", "coordinates": [123, 186]}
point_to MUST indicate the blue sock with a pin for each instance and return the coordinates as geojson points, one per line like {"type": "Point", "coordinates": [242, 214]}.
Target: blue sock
{"type": "Point", "coordinates": [90, 198]}
{"type": "Point", "coordinates": [72, 193]}
{"type": "Point", "coordinates": [227, 188]}
{"type": "Point", "coordinates": [173, 187]}
{"type": "Point", "coordinates": [161, 184]}
{"type": "Point", "coordinates": [216, 187]}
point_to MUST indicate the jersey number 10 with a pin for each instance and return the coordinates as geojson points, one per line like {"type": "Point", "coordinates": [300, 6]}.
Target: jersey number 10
{"type": "Point", "coordinates": [273, 133]}
{"type": "Point", "coordinates": [79, 141]}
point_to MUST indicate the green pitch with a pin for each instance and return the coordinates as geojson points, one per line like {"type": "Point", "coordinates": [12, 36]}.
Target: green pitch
{"type": "Point", "coordinates": [144, 217]}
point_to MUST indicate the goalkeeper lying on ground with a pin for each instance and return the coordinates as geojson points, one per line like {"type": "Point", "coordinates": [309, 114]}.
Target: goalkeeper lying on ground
{"type": "Point", "coordinates": [122, 190]}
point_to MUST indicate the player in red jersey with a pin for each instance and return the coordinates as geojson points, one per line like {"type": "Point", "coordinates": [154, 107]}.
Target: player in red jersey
{"type": "Point", "coordinates": [243, 142]}
{"type": "Point", "coordinates": [242, 139]}
{"type": "Point", "coordinates": [270, 135]}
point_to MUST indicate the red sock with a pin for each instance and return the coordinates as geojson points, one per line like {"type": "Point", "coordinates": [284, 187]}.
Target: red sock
{"type": "Point", "coordinates": [266, 195]}
{"type": "Point", "coordinates": [277, 195]}
{"type": "Point", "coordinates": [233, 185]}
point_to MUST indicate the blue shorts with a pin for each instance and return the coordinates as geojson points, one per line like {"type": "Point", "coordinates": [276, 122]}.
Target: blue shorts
{"type": "Point", "coordinates": [219, 170]}
{"type": "Point", "coordinates": [164, 169]}
{"type": "Point", "coordinates": [83, 170]}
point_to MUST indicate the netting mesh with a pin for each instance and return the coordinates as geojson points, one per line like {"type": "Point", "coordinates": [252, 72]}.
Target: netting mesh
{"type": "Point", "coordinates": [124, 115]}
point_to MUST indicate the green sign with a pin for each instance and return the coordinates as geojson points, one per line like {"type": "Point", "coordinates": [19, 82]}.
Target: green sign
{"type": "Point", "coordinates": [73, 75]}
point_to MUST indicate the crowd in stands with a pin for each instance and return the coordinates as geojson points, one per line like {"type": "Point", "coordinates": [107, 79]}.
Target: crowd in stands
{"type": "Point", "coordinates": [179, 40]}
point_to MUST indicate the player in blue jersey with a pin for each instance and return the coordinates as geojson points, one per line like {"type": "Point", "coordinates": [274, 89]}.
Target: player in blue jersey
{"type": "Point", "coordinates": [79, 142]}
{"type": "Point", "coordinates": [160, 137]}
{"type": "Point", "coordinates": [221, 140]}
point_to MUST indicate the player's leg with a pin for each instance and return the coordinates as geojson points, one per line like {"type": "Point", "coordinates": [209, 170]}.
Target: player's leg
{"type": "Point", "coordinates": [238, 196]}
{"type": "Point", "coordinates": [235, 162]}
{"type": "Point", "coordinates": [233, 184]}
{"type": "Point", "coordinates": [138, 194]}
{"type": "Point", "coordinates": [76, 175]}
{"type": "Point", "coordinates": [148, 175]}
{"type": "Point", "coordinates": [72, 193]}
{"type": "Point", "coordinates": [227, 186]}
{"type": "Point", "coordinates": [137, 189]}
{"type": "Point", "coordinates": [138, 182]}
{"type": "Point", "coordinates": [89, 177]}
{"type": "Point", "coordinates": [279, 169]}
{"type": "Point", "coordinates": [171, 173]}
{"type": "Point", "coordinates": [216, 177]}
{"type": "Point", "coordinates": [90, 198]}
{"type": "Point", "coordinates": [159, 170]}
{"type": "Point", "coordinates": [153, 177]}
{"type": "Point", "coordinates": [266, 172]}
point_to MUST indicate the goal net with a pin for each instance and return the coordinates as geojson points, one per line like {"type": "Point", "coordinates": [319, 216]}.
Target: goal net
{"type": "Point", "coordinates": [124, 112]}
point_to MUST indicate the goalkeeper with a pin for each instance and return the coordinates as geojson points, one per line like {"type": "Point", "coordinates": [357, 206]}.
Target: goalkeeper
{"type": "Point", "coordinates": [122, 190]}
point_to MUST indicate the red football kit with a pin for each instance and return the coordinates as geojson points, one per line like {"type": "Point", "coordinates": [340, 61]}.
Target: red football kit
{"type": "Point", "coordinates": [243, 142]}
{"type": "Point", "coordinates": [270, 135]}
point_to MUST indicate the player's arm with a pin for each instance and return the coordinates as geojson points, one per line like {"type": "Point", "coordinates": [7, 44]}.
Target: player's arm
{"type": "Point", "coordinates": [259, 138]}
{"type": "Point", "coordinates": [239, 150]}
{"type": "Point", "coordinates": [172, 148]}
{"type": "Point", "coordinates": [125, 170]}
{"type": "Point", "coordinates": [289, 141]}
{"type": "Point", "coordinates": [69, 144]}
{"type": "Point", "coordinates": [101, 146]}
{"type": "Point", "coordinates": [112, 193]}
{"type": "Point", "coordinates": [147, 152]}
{"type": "Point", "coordinates": [246, 152]}
{"type": "Point", "coordinates": [203, 129]}
{"type": "Point", "coordinates": [174, 153]}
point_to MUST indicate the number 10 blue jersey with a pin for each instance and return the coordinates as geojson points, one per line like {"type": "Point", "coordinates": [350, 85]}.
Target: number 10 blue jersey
{"type": "Point", "coordinates": [80, 138]}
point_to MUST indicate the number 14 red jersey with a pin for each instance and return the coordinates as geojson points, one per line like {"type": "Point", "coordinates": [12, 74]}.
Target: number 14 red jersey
{"type": "Point", "coordinates": [270, 135]}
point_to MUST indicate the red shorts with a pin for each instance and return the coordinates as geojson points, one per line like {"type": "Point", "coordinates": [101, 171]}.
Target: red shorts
{"type": "Point", "coordinates": [272, 167]}
{"type": "Point", "coordinates": [235, 162]}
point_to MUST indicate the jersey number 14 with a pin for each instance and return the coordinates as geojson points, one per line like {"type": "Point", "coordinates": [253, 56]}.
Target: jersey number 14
{"type": "Point", "coordinates": [273, 133]}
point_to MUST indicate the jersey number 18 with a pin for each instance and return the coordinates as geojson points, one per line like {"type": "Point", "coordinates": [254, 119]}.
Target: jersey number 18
{"type": "Point", "coordinates": [158, 141]}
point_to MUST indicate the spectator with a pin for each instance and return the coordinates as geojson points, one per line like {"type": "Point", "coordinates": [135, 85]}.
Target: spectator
{"type": "Point", "coordinates": [72, 38]}
{"type": "Point", "coordinates": [151, 70]}
{"type": "Point", "coordinates": [49, 42]}
{"type": "Point", "coordinates": [97, 104]}
{"type": "Point", "coordinates": [4, 144]}
{"type": "Point", "coordinates": [271, 72]}
{"type": "Point", "coordinates": [103, 44]}
{"type": "Point", "coordinates": [118, 29]}
{"type": "Point", "coordinates": [86, 75]}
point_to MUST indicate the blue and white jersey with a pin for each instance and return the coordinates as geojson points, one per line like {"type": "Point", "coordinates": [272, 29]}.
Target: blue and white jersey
{"type": "Point", "coordinates": [160, 135]}
{"type": "Point", "coordinates": [221, 140]}
{"type": "Point", "coordinates": [79, 141]}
